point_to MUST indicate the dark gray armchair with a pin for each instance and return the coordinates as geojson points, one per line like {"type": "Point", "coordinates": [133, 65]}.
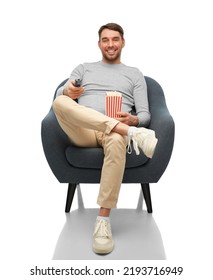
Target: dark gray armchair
{"type": "Point", "coordinates": [74, 165]}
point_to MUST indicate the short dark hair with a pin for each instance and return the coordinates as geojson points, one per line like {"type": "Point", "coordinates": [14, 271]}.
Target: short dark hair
{"type": "Point", "coordinates": [111, 26]}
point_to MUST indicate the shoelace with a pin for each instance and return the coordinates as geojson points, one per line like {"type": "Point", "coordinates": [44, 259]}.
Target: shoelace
{"type": "Point", "coordinates": [135, 145]}
{"type": "Point", "coordinates": [129, 146]}
{"type": "Point", "coordinates": [101, 230]}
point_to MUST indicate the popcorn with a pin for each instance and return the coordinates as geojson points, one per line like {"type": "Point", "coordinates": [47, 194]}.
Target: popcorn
{"type": "Point", "coordinates": [113, 103]}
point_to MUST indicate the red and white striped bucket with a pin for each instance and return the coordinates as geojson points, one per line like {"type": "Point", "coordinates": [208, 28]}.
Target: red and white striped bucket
{"type": "Point", "coordinates": [113, 103]}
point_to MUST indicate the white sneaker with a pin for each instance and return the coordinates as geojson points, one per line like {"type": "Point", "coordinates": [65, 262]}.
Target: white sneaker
{"type": "Point", "coordinates": [145, 139]}
{"type": "Point", "coordinates": [102, 237]}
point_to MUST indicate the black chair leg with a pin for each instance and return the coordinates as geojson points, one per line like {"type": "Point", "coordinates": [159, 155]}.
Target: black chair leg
{"type": "Point", "coordinates": [70, 195]}
{"type": "Point", "coordinates": [147, 197]}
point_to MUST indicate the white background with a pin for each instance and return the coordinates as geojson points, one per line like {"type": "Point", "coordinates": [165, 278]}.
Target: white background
{"type": "Point", "coordinates": [41, 42]}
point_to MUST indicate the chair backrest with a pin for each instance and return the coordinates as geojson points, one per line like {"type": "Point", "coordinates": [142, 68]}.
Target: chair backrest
{"type": "Point", "coordinates": [60, 85]}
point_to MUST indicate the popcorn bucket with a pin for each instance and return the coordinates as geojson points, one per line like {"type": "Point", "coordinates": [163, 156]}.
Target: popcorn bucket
{"type": "Point", "coordinates": [113, 103]}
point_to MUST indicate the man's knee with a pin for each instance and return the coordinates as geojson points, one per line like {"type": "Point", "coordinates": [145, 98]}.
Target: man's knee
{"type": "Point", "coordinates": [118, 138]}
{"type": "Point", "coordinates": [62, 103]}
{"type": "Point", "coordinates": [115, 142]}
{"type": "Point", "coordinates": [57, 104]}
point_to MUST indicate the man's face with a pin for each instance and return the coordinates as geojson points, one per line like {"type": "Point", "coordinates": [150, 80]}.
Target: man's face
{"type": "Point", "coordinates": [111, 45]}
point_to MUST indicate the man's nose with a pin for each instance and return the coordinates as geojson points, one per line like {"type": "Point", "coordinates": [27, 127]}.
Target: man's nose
{"type": "Point", "coordinates": [110, 43]}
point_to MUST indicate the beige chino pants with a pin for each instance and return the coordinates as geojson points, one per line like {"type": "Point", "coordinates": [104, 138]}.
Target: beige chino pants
{"type": "Point", "coordinates": [86, 127]}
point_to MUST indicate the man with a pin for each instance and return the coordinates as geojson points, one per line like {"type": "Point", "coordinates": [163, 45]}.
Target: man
{"type": "Point", "coordinates": [81, 114]}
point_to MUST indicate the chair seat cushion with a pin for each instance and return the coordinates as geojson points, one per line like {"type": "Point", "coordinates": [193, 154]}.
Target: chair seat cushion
{"type": "Point", "coordinates": [92, 158]}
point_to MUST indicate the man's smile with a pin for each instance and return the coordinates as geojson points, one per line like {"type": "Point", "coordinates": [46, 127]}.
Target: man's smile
{"type": "Point", "coordinates": [111, 51]}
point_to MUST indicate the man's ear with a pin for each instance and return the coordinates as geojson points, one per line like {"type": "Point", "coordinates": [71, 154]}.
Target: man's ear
{"type": "Point", "coordinates": [99, 44]}
{"type": "Point", "coordinates": [123, 43]}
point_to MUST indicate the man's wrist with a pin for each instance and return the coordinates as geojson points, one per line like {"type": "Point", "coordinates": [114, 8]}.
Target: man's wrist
{"type": "Point", "coordinates": [136, 121]}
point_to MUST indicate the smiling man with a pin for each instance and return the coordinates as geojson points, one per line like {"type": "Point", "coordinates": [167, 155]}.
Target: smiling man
{"type": "Point", "coordinates": [81, 114]}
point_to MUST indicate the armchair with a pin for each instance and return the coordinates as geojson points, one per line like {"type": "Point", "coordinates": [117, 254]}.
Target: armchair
{"type": "Point", "coordinates": [75, 165]}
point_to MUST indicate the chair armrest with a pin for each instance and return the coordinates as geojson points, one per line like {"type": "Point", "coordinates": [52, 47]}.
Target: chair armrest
{"type": "Point", "coordinates": [54, 142]}
{"type": "Point", "coordinates": [163, 125]}
{"type": "Point", "coordinates": [161, 120]}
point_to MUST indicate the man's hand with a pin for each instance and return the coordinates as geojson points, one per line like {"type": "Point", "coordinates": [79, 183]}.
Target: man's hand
{"type": "Point", "coordinates": [127, 118]}
{"type": "Point", "coordinates": [72, 91]}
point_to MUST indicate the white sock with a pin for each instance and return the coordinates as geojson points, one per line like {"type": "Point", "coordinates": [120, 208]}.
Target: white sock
{"type": "Point", "coordinates": [131, 130]}
{"type": "Point", "coordinates": [103, 218]}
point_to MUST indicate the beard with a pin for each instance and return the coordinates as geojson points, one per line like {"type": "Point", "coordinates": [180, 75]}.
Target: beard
{"type": "Point", "coordinates": [110, 58]}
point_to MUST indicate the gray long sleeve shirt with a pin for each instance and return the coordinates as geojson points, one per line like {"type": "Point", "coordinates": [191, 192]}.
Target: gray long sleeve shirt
{"type": "Point", "coordinates": [99, 77]}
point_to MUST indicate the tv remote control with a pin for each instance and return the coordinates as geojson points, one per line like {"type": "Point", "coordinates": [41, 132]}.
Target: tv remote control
{"type": "Point", "coordinates": [77, 83]}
